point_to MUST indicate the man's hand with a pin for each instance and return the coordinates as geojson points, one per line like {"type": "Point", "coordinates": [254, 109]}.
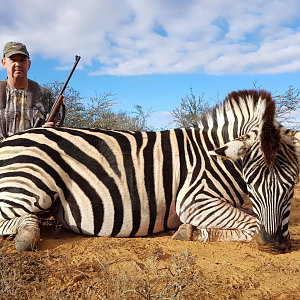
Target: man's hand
{"type": "Point", "coordinates": [49, 124]}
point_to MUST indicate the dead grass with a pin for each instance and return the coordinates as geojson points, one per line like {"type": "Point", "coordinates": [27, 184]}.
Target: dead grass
{"type": "Point", "coordinates": [24, 275]}
{"type": "Point", "coordinates": [20, 273]}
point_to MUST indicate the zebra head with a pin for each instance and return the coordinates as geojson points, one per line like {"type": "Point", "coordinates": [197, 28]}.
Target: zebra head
{"type": "Point", "coordinates": [270, 176]}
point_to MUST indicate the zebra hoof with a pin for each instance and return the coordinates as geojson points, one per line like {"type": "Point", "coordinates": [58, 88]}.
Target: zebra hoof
{"type": "Point", "coordinates": [184, 233]}
{"type": "Point", "coordinates": [27, 238]}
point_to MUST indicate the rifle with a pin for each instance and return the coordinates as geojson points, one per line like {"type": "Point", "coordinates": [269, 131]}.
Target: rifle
{"type": "Point", "coordinates": [56, 106]}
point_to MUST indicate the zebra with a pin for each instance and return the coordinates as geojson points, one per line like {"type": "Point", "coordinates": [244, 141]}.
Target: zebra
{"type": "Point", "coordinates": [125, 184]}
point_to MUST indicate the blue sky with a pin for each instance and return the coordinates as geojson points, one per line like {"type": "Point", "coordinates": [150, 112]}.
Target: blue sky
{"type": "Point", "coordinates": [150, 52]}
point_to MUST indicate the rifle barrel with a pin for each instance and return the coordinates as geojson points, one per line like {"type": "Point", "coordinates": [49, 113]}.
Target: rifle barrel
{"type": "Point", "coordinates": [58, 102]}
{"type": "Point", "coordinates": [77, 58]}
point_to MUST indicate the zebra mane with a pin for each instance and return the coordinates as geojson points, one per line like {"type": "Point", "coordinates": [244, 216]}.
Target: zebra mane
{"type": "Point", "coordinates": [236, 103]}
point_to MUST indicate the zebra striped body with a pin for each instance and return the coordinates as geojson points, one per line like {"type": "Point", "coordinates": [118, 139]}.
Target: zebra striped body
{"type": "Point", "coordinates": [116, 183]}
{"type": "Point", "coordinates": [127, 183]}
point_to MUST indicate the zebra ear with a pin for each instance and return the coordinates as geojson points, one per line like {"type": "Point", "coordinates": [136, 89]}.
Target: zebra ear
{"type": "Point", "coordinates": [291, 137]}
{"type": "Point", "coordinates": [236, 148]}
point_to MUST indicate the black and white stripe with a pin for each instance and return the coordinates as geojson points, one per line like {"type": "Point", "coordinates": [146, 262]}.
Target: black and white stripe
{"type": "Point", "coordinates": [117, 183]}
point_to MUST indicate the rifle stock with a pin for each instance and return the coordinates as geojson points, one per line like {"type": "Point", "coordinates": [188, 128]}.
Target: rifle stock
{"type": "Point", "coordinates": [55, 108]}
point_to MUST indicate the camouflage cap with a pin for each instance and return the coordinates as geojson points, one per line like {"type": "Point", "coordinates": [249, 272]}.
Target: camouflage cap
{"type": "Point", "coordinates": [12, 48]}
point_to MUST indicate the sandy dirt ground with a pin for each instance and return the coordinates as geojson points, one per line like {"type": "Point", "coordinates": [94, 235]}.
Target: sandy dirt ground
{"type": "Point", "coordinates": [70, 266]}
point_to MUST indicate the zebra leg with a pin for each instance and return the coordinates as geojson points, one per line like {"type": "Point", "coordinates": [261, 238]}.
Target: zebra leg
{"type": "Point", "coordinates": [188, 232]}
{"type": "Point", "coordinates": [26, 229]}
{"type": "Point", "coordinates": [226, 235]}
{"type": "Point", "coordinates": [215, 220]}
{"type": "Point", "coordinates": [221, 235]}
{"type": "Point", "coordinates": [28, 235]}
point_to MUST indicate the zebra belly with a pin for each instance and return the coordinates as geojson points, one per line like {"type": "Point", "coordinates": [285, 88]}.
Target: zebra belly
{"type": "Point", "coordinates": [87, 222]}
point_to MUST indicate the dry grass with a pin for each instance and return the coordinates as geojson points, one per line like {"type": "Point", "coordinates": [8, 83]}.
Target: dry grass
{"type": "Point", "coordinates": [24, 275]}
{"type": "Point", "coordinates": [20, 274]}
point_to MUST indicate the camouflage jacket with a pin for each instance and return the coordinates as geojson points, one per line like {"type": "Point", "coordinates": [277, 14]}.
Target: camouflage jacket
{"type": "Point", "coordinates": [16, 116]}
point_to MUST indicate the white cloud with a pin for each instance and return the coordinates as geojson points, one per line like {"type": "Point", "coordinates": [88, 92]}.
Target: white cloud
{"type": "Point", "coordinates": [133, 37]}
{"type": "Point", "coordinates": [281, 55]}
{"type": "Point", "coordinates": [160, 120]}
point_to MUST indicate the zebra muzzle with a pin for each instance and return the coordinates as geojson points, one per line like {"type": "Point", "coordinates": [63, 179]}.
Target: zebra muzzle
{"type": "Point", "coordinates": [276, 243]}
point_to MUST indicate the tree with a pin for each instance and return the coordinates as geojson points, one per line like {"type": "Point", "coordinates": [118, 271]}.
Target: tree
{"type": "Point", "coordinates": [72, 100]}
{"type": "Point", "coordinates": [101, 115]}
{"type": "Point", "coordinates": [288, 108]}
{"type": "Point", "coordinates": [190, 110]}
{"type": "Point", "coordinates": [98, 112]}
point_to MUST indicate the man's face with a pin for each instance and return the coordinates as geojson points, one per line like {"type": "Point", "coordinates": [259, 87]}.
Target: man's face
{"type": "Point", "coordinates": [17, 66]}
